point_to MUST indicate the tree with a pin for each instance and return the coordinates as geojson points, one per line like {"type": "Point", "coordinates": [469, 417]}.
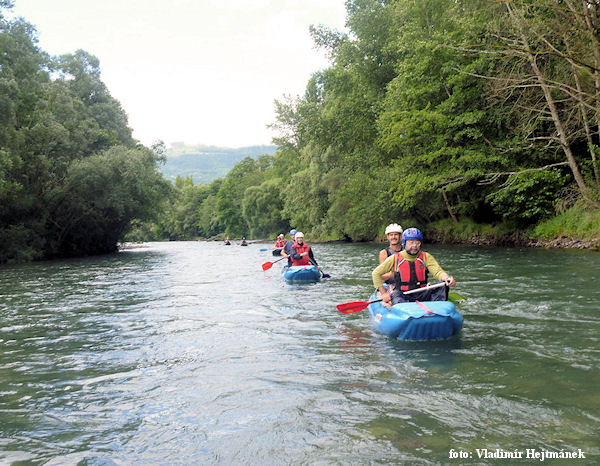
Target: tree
{"type": "Point", "coordinates": [547, 68]}
{"type": "Point", "coordinates": [71, 176]}
{"type": "Point", "coordinates": [262, 209]}
{"type": "Point", "coordinates": [244, 174]}
{"type": "Point", "coordinates": [101, 195]}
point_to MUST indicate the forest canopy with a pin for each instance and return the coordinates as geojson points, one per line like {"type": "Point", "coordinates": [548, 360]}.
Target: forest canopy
{"type": "Point", "coordinates": [479, 110]}
{"type": "Point", "coordinates": [71, 175]}
{"type": "Point", "coordinates": [484, 110]}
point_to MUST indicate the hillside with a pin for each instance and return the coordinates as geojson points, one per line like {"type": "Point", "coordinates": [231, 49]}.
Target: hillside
{"type": "Point", "coordinates": [206, 163]}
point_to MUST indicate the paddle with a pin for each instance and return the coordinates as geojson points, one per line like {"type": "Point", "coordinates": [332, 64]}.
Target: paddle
{"type": "Point", "coordinates": [355, 306]}
{"type": "Point", "coordinates": [263, 249]}
{"type": "Point", "coordinates": [268, 265]}
{"type": "Point", "coordinates": [455, 297]}
{"type": "Point", "coordinates": [324, 275]}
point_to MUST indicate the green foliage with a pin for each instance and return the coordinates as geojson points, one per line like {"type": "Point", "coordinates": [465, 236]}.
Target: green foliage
{"type": "Point", "coordinates": [262, 209]}
{"type": "Point", "coordinates": [577, 222]}
{"type": "Point", "coordinates": [529, 197]}
{"type": "Point", "coordinates": [400, 126]}
{"type": "Point", "coordinates": [71, 176]}
{"type": "Point", "coordinates": [100, 196]}
{"type": "Point", "coordinates": [231, 195]}
{"type": "Point", "coordinates": [354, 214]}
{"type": "Point", "coordinates": [445, 230]}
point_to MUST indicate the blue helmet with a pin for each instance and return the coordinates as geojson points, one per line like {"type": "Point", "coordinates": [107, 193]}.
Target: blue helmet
{"type": "Point", "coordinates": [411, 233]}
{"type": "Point", "coordinates": [293, 232]}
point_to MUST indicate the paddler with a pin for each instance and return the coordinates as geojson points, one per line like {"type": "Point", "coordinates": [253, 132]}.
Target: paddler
{"type": "Point", "coordinates": [280, 241]}
{"type": "Point", "coordinates": [394, 236]}
{"type": "Point", "coordinates": [301, 253]}
{"type": "Point", "coordinates": [410, 268]}
{"type": "Point", "coordinates": [287, 249]}
{"type": "Point", "coordinates": [393, 232]}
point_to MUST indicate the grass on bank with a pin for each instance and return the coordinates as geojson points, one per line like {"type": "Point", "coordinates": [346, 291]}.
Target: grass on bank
{"type": "Point", "coordinates": [578, 222]}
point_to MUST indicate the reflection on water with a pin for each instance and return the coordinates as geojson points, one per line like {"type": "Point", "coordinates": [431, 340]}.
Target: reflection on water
{"type": "Point", "coordinates": [190, 353]}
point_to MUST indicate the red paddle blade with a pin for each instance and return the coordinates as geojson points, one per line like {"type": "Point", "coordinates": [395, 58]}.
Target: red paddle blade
{"type": "Point", "coordinates": [349, 308]}
{"type": "Point", "coordinates": [267, 265]}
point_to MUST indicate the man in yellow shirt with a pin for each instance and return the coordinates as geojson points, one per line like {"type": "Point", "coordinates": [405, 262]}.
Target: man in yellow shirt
{"type": "Point", "coordinates": [411, 268]}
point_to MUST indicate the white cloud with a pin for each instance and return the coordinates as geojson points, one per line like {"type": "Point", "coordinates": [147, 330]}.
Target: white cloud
{"type": "Point", "coordinates": [197, 71]}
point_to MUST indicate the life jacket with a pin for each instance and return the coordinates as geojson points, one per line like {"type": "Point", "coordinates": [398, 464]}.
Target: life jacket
{"type": "Point", "coordinates": [410, 274]}
{"type": "Point", "coordinates": [299, 250]}
{"type": "Point", "coordinates": [287, 248]}
{"type": "Point", "coordinates": [391, 252]}
{"type": "Point", "coordinates": [280, 244]}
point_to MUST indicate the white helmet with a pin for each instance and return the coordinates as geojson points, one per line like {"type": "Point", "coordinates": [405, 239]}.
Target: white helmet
{"type": "Point", "coordinates": [299, 235]}
{"type": "Point", "coordinates": [393, 228]}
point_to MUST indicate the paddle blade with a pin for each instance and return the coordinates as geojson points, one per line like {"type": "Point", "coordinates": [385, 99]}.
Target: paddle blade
{"type": "Point", "coordinates": [349, 308]}
{"type": "Point", "coordinates": [267, 265]}
{"type": "Point", "coordinates": [455, 297]}
{"type": "Point", "coordinates": [325, 275]}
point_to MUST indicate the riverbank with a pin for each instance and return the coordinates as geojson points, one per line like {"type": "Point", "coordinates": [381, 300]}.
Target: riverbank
{"type": "Point", "coordinates": [576, 228]}
{"type": "Point", "coordinates": [514, 240]}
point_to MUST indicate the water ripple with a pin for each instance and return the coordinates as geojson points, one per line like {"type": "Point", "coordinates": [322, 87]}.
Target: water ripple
{"type": "Point", "coordinates": [182, 353]}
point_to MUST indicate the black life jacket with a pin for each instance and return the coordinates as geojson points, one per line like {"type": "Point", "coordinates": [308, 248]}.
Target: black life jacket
{"type": "Point", "coordinates": [409, 275]}
{"type": "Point", "coordinates": [390, 251]}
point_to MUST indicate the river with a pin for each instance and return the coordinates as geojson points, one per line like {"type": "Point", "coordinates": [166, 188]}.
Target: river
{"type": "Point", "coordinates": [190, 353]}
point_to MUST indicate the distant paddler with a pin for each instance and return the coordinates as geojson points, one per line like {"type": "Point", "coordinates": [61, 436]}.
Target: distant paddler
{"type": "Point", "coordinates": [280, 241]}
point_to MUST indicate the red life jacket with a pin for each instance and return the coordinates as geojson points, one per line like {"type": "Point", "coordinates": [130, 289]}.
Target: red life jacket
{"type": "Point", "coordinates": [299, 250]}
{"type": "Point", "coordinates": [410, 274]}
{"type": "Point", "coordinates": [280, 244]}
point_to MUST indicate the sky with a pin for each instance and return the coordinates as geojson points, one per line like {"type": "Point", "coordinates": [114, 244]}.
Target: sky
{"type": "Point", "coordinates": [192, 71]}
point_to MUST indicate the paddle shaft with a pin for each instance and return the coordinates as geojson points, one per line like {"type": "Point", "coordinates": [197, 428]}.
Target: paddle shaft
{"type": "Point", "coordinates": [323, 274]}
{"type": "Point", "coordinates": [269, 264]}
{"type": "Point", "coordinates": [349, 308]}
{"type": "Point", "coordinates": [428, 287]}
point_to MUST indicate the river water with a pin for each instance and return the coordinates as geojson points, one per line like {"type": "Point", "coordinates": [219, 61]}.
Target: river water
{"type": "Point", "coordinates": [190, 353]}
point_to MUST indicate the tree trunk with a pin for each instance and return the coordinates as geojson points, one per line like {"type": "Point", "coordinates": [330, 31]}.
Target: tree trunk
{"type": "Point", "coordinates": [588, 18]}
{"type": "Point", "coordinates": [448, 206]}
{"type": "Point", "coordinates": [562, 137]}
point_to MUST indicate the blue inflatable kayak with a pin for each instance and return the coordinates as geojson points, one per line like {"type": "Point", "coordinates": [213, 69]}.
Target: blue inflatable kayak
{"type": "Point", "coordinates": [429, 320]}
{"type": "Point", "coordinates": [301, 274]}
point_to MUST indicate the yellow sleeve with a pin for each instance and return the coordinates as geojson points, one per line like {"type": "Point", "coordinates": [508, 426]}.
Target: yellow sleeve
{"type": "Point", "coordinates": [385, 267]}
{"type": "Point", "coordinates": [433, 267]}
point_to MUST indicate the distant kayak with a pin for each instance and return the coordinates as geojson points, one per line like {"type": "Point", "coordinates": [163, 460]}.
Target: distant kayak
{"type": "Point", "coordinates": [428, 320]}
{"type": "Point", "coordinates": [277, 252]}
{"type": "Point", "coordinates": [301, 274]}
{"type": "Point", "coordinates": [227, 243]}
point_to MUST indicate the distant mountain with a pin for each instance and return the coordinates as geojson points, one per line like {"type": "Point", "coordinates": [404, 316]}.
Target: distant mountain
{"type": "Point", "coordinates": [206, 163]}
